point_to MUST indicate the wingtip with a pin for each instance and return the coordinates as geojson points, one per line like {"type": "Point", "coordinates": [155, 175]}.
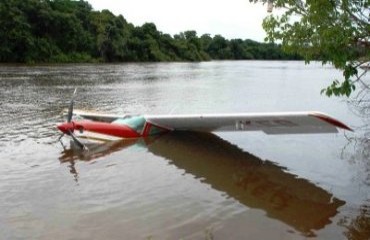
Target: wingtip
{"type": "Point", "coordinates": [331, 120]}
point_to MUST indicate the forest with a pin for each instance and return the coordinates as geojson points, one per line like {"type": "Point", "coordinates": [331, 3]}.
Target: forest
{"type": "Point", "coordinates": [66, 31]}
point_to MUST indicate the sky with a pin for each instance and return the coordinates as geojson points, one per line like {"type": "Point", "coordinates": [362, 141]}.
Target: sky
{"type": "Point", "coordinates": [229, 18]}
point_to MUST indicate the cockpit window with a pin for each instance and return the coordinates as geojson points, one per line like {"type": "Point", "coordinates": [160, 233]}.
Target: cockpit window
{"type": "Point", "coordinates": [135, 122]}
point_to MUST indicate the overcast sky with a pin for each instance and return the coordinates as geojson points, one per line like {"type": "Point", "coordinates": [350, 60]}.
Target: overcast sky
{"type": "Point", "coordinates": [230, 18]}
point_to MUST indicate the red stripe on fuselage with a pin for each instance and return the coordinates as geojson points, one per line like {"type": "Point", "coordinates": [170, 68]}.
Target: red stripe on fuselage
{"type": "Point", "coordinates": [146, 130]}
{"type": "Point", "coordinates": [148, 127]}
{"type": "Point", "coordinates": [112, 129]}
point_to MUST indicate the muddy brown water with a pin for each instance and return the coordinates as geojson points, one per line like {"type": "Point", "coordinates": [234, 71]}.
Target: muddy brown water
{"type": "Point", "coordinates": [181, 185]}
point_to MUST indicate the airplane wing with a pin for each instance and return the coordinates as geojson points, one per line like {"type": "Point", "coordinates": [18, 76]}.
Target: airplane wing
{"type": "Point", "coordinates": [95, 116]}
{"type": "Point", "coordinates": [269, 123]}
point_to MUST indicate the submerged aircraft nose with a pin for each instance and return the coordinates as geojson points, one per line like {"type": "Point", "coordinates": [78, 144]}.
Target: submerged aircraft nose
{"type": "Point", "coordinates": [65, 127]}
{"type": "Point", "coordinates": [62, 128]}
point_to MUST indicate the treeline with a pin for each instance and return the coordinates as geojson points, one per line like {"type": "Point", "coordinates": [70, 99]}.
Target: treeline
{"type": "Point", "coordinates": [44, 31]}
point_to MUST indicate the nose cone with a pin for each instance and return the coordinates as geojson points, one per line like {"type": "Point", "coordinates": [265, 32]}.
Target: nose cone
{"type": "Point", "coordinates": [62, 128]}
{"type": "Point", "coordinates": [65, 127]}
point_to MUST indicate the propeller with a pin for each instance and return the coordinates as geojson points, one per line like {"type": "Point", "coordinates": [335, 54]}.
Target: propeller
{"type": "Point", "coordinates": [76, 141]}
{"type": "Point", "coordinates": [70, 109]}
{"type": "Point", "coordinates": [69, 127]}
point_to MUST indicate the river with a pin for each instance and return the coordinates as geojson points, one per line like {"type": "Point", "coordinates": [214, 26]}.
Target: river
{"type": "Point", "coordinates": [182, 185]}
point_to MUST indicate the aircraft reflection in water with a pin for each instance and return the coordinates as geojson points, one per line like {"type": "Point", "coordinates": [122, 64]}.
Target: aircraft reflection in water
{"type": "Point", "coordinates": [95, 151]}
{"type": "Point", "coordinates": [241, 175]}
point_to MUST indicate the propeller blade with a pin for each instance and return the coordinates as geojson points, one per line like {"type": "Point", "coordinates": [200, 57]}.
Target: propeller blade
{"type": "Point", "coordinates": [60, 137]}
{"type": "Point", "coordinates": [78, 143]}
{"type": "Point", "coordinates": [70, 109]}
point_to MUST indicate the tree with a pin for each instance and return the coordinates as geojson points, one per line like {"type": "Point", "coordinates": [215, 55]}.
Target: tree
{"type": "Point", "coordinates": [236, 48]}
{"type": "Point", "coordinates": [111, 35]}
{"type": "Point", "coordinates": [332, 31]}
{"type": "Point", "coordinates": [219, 48]}
{"type": "Point", "coordinates": [42, 31]}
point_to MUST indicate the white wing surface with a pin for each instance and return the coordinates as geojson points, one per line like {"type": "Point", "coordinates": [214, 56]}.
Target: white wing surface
{"type": "Point", "coordinates": [96, 116]}
{"type": "Point", "coordinates": [269, 123]}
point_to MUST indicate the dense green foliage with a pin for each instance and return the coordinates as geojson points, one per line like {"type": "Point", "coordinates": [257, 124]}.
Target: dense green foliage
{"type": "Point", "coordinates": [336, 32]}
{"type": "Point", "coordinates": [38, 31]}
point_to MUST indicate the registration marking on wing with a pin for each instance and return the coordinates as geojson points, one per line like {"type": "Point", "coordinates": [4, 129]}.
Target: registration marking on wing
{"type": "Point", "coordinates": [244, 124]}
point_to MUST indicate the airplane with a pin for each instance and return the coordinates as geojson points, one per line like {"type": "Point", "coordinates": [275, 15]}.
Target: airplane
{"type": "Point", "coordinates": [98, 126]}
